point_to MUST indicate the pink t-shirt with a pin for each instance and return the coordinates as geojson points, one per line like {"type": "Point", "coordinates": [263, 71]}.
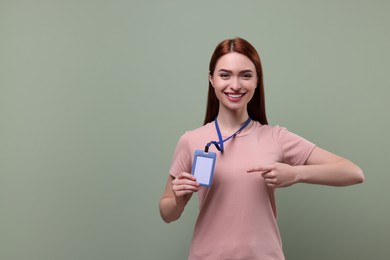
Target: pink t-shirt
{"type": "Point", "coordinates": [237, 214]}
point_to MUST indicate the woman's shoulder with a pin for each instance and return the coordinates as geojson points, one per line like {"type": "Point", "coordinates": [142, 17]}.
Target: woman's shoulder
{"type": "Point", "coordinates": [281, 134]}
{"type": "Point", "coordinates": [201, 130]}
{"type": "Point", "coordinates": [274, 129]}
{"type": "Point", "coordinates": [198, 132]}
{"type": "Point", "coordinates": [275, 132]}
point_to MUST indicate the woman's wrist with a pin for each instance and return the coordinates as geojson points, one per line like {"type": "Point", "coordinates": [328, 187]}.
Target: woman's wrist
{"type": "Point", "coordinates": [300, 174]}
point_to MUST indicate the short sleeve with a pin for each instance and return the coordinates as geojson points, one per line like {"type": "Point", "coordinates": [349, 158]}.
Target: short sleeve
{"type": "Point", "coordinates": [295, 150]}
{"type": "Point", "coordinates": [181, 161]}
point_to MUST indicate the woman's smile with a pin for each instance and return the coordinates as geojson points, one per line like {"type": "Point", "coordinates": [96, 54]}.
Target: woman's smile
{"type": "Point", "coordinates": [234, 97]}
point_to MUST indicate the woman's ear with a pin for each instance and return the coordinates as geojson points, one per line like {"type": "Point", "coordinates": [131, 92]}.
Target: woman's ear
{"type": "Point", "coordinates": [211, 79]}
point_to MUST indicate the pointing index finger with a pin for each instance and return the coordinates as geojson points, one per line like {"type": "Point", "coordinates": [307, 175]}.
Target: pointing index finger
{"type": "Point", "coordinates": [260, 169]}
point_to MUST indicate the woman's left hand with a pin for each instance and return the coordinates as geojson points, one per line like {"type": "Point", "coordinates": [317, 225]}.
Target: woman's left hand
{"type": "Point", "coordinates": [277, 175]}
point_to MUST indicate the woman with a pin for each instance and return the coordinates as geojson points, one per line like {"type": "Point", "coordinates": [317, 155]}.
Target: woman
{"type": "Point", "coordinates": [237, 213]}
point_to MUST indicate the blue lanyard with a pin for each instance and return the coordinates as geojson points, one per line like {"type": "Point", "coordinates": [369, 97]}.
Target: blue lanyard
{"type": "Point", "coordinates": [219, 145]}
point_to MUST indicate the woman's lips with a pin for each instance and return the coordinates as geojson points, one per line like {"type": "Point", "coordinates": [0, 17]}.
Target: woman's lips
{"type": "Point", "coordinates": [235, 97]}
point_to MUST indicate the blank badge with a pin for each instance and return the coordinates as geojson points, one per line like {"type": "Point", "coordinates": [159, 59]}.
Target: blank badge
{"type": "Point", "coordinates": [203, 167]}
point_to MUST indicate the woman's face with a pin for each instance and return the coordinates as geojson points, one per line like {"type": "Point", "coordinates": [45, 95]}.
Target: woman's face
{"type": "Point", "coordinates": [234, 81]}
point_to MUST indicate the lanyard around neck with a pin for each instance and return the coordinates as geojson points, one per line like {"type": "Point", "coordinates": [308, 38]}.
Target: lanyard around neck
{"type": "Point", "coordinates": [219, 145]}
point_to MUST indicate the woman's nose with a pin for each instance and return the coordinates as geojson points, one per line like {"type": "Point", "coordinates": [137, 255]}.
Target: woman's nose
{"type": "Point", "coordinates": [235, 84]}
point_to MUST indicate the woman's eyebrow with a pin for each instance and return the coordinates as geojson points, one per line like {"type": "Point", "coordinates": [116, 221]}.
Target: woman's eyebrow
{"type": "Point", "coordinates": [242, 71]}
{"type": "Point", "coordinates": [224, 70]}
{"type": "Point", "coordinates": [246, 71]}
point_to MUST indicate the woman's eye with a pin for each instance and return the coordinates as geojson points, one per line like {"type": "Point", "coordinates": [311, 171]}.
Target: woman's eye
{"type": "Point", "coordinates": [224, 75]}
{"type": "Point", "coordinates": [247, 76]}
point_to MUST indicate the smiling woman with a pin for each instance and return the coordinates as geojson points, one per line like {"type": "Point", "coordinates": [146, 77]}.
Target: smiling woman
{"type": "Point", "coordinates": [234, 81]}
{"type": "Point", "coordinates": [237, 213]}
{"type": "Point", "coordinates": [256, 105]}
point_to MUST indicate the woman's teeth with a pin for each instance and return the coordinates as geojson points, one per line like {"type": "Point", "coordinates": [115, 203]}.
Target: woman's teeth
{"type": "Point", "coordinates": [235, 95]}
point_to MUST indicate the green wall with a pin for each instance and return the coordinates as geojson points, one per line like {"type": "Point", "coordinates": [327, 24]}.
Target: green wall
{"type": "Point", "coordinates": [95, 94]}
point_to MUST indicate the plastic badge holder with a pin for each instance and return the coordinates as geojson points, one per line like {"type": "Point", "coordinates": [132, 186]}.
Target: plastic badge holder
{"type": "Point", "coordinates": [203, 167]}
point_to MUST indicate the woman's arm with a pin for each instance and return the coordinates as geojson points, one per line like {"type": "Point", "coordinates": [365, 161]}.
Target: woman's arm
{"type": "Point", "coordinates": [178, 192]}
{"type": "Point", "coordinates": [322, 167]}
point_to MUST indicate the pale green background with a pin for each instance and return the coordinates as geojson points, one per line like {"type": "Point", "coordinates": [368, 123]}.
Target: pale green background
{"type": "Point", "coordinates": [95, 94]}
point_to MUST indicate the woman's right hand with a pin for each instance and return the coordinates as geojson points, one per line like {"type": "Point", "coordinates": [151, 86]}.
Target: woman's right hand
{"type": "Point", "coordinates": [183, 186]}
{"type": "Point", "coordinates": [178, 192]}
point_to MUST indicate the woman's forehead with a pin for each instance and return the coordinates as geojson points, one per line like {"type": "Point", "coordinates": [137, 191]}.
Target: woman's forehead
{"type": "Point", "coordinates": [234, 61]}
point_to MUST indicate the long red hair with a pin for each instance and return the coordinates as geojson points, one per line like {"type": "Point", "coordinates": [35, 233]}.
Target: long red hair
{"type": "Point", "coordinates": [256, 106]}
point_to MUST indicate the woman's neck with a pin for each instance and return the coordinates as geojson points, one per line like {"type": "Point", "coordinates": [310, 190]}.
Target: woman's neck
{"type": "Point", "coordinates": [230, 121]}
